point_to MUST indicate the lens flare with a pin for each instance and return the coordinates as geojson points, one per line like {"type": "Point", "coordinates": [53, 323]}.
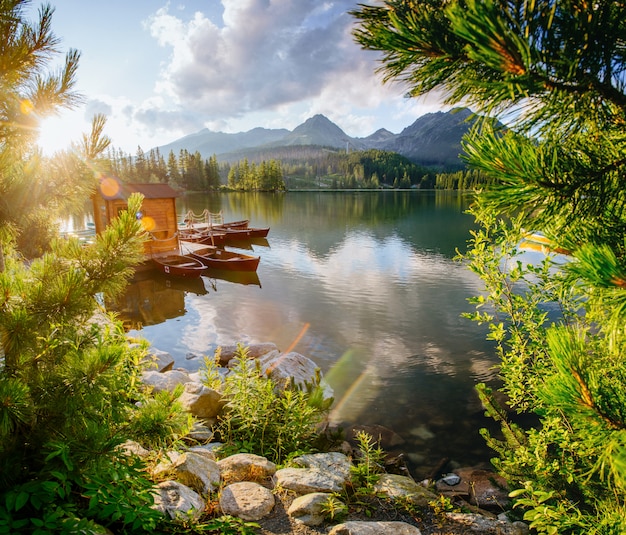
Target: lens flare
{"type": "Point", "coordinates": [109, 187]}
{"type": "Point", "coordinates": [147, 223]}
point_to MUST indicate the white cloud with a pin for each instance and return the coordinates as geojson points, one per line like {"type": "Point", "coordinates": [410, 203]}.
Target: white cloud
{"type": "Point", "coordinates": [266, 55]}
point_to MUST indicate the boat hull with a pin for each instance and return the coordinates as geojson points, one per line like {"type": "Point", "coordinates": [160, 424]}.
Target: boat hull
{"type": "Point", "coordinates": [220, 259]}
{"type": "Point", "coordinates": [179, 265]}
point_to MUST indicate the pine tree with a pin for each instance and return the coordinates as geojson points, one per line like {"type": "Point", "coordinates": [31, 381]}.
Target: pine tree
{"type": "Point", "coordinates": [554, 73]}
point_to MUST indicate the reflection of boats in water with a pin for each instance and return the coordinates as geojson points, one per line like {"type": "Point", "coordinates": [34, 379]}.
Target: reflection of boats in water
{"type": "Point", "coordinates": [237, 277]}
{"type": "Point", "coordinates": [152, 298]}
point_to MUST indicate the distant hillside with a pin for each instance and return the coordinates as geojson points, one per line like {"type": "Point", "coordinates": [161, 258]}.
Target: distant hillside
{"type": "Point", "coordinates": [433, 140]}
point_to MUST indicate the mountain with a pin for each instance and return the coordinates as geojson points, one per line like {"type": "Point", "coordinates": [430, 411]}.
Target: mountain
{"type": "Point", "coordinates": [433, 140]}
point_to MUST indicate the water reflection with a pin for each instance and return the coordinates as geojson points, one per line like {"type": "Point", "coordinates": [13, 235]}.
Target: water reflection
{"type": "Point", "coordinates": [366, 284]}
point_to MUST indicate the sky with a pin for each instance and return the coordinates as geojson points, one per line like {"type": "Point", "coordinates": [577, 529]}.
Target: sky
{"type": "Point", "coordinates": [160, 70]}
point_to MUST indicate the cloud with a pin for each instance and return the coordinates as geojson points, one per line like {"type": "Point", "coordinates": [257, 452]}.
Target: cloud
{"type": "Point", "coordinates": [263, 55]}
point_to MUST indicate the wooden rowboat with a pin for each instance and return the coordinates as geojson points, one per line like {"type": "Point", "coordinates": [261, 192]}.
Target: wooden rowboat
{"type": "Point", "coordinates": [215, 258]}
{"type": "Point", "coordinates": [243, 233]}
{"type": "Point", "coordinates": [205, 237]}
{"type": "Point", "coordinates": [179, 265]}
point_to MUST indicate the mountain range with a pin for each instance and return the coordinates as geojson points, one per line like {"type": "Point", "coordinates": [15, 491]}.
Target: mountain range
{"type": "Point", "coordinates": [433, 140]}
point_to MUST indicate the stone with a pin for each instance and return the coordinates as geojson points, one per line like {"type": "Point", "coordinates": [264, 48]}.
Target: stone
{"type": "Point", "coordinates": [201, 401]}
{"type": "Point", "coordinates": [161, 360]}
{"type": "Point", "coordinates": [487, 526]}
{"type": "Point", "coordinates": [333, 462]}
{"type": "Point", "coordinates": [305, 480]}
{"type": "Point", "coordinates": [178, 501]}
{"type": "Point", "coordinates": [200, 433]}
{"type": "Point", "coordinates": [130, 447]}
{"type": "Point", "coordinates": [309, 509]}
{"type": "Point", "coordinates": [374, 528]}
{"type": "Point", "coordinates": [255, 351]}
{"type": "Point", "coordinates": [293, 366]}
{"type": "Point", "coordinates": [397, 486]}
{"type": "Point", "coordinates": [246, 500]}
{"type": "Point", "coordinates": [483, 488]}
{"type": "Point", "coordinates": [246, 467]}
{"type": "Point", "coordinates": [197, 472]}
{"type": "Point", "coordinates": [166, 381]}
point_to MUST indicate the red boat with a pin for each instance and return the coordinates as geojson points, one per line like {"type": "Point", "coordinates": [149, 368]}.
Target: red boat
{"type": "Point", "coordinates": [215, 258]}
{"type": "Point", "coordinates": [243, 233]}
{"type": "Point", "coordinates": [205, 237]}
{"type": "Point", "coordinates": [179, 265]}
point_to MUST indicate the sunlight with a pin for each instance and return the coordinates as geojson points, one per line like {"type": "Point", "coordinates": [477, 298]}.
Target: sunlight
{"type": "Point", "coordinates": [57, 133]}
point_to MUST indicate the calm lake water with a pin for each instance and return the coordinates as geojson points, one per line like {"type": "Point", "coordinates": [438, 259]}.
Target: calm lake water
{"type": "Point", "coordinates": [363, 283]}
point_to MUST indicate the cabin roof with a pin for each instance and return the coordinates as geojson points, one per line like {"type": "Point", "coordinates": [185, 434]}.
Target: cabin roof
{"type": "Point", "coordinates": [149, 191]}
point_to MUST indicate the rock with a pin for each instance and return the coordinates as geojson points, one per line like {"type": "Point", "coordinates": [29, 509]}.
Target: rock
{"type": "Point", "coordinates": [201, 401]}
{"type": "Point", "coordinates": [246, 467]}
{"type": "Point", "coordinates": [200, 433]}
{"type": "Point", "coordinates": [161, 360]}
{"type": "Point", "coordinates": [487, 526]}
{"type": "Point", "coordinates": [305, 481]}
{"type": "Point", "coordinates": [197, 471]}
{"type": "Point", "coordinates": [397, 486]}
{"type": "Point", "coordinates": [166, 381]}
{"type": "Point", "coordinates": [284, 367]}
{"type": "Point", "coordinates": [247, 500]}
{"type": "Point", "coordinates": [333, 462]}
{"type": "Point", "coordinates": [255, 351]}
{"type": "Point", "coordinates": [177, 500]}
{"type": "Point", "coordinates": [322, 472]}
{"type": "Point", "coordinates": [483, 488]}
{"type": "Point", "coordinates": [206, 451]}
{"type": "Point", "coordinates": [374, 528]}
{"type": "Point", "coordinates": [130, 447]}
{"type": "Point", "coordinates": [309, 509]}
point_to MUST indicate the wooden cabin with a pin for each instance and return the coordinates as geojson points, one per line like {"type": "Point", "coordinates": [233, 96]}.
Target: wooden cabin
{"type": "Point", "coordinates": [158, 211]}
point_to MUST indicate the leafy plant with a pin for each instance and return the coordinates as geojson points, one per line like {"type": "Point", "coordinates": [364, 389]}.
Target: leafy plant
{"type": "Point", "coordinates": [333, 508]}
{"type": "Point", "coordinates": [160, 421]}
{"type": "Point", "coordinates": [368, 466]}
{"type": "Point", "coordinates": [263, 419]}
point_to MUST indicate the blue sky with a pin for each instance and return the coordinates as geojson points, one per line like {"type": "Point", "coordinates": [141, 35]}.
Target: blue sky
{"type": "Point", "coordinates": [162, 70]}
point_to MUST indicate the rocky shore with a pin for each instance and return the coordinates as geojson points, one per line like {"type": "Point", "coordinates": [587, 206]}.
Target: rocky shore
{"type": "Point", "coordinates": [295, 498]}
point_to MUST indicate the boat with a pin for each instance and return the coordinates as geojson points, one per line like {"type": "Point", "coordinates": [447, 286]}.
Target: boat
{"type": "Point", "coordinates": [215, 258]}
{"type": "Point", "coordinates": [205, 237]}
{"type": "Point", "coordinates": [243, 233]}
{"type": "Point", "coordinates": [214, 222]}
{"type": "Point", "coordinates": [179, 265]}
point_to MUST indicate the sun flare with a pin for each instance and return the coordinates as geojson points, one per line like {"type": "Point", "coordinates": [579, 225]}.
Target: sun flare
{"type": "Point", "coordinates": [55, 134]}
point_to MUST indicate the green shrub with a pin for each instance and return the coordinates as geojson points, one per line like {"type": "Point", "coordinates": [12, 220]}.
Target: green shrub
{"type": "Point", "coordinates": [259, 418]}
{"type": "Point", "coordinates": [160, 421]}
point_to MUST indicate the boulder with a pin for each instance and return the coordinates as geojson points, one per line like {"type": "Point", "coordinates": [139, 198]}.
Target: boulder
{"type": "Point", "coordinates": [332, 462]}
{"type": "Point", "coordinates": [309, 509]}
{"type": "Point", "coordinates": [483, 488]}
{"type": "Point", "coordinates": [197, 471]}
{"type": "Point", "coordinates": [397, 486]}
{"type": "Point", "coordinates": [374, 528]}
{"type": "Point", "coordinates": [166, 381]}
{"type": "Point", "coordinates": [247, 500]}
{"type": "Point", "coordinates": [130, 447]}
{"type": "Point", "coordinates": [246, 467]}
{"type": "Point", "coordinates": [487, 526]}
{"type": "Point", "coordinates": [201, 401]}
{"type": "Point", "coordinates": [161, 360]}
{"type": "Point", "coordinates": [178, 501]}
{"type": "Point", "coordinates": [255, 351]}
{"type": "Point", "coordinates": [292, 367]}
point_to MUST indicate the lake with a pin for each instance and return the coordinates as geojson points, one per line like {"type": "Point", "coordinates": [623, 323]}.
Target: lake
{"type": "Point", "coordinates": [363, 283]}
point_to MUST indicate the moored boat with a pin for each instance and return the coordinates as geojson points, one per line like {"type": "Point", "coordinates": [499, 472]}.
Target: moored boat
{"type": "Point", "coordinates": [205, 237]}
{"type": "Point", "coordinates": [179, 265]}
{"type": "Point", "coordinates": [215, 258]}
